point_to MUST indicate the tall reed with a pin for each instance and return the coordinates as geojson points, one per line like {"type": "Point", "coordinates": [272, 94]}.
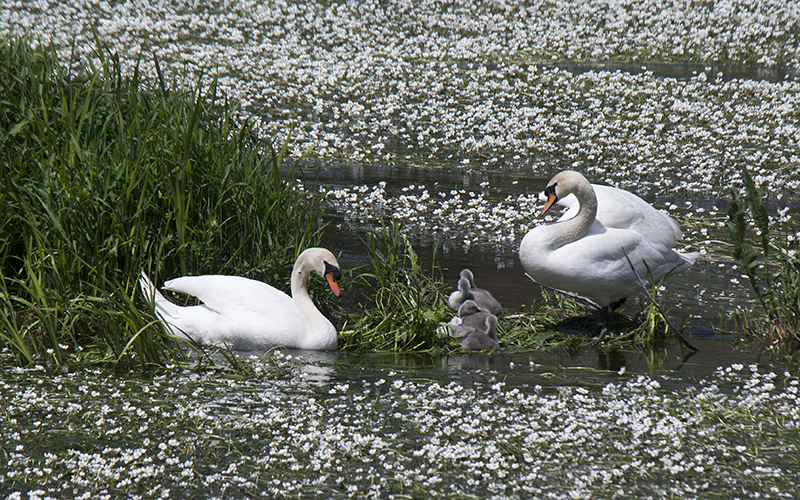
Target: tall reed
{"type": "Point", "coordinates": [103, 174]}
{"type": "Point", "coordinates": [774, 272]}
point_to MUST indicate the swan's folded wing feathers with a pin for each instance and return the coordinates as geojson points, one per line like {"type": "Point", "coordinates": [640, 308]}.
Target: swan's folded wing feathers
{"type": "Point", "coordinates": [220, 293]}
{"type": "Point", "coordinates": [621, 209]}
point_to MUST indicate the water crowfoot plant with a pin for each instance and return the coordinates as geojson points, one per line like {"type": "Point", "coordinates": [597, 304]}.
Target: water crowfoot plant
{"type": "Point", "coordinates": [394, 435]}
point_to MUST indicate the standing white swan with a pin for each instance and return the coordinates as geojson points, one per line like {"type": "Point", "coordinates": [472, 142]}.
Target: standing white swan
{"type": "Point", "coordinates": [247, 314]}
{"type": "Point", "coordinates": [582, 255]}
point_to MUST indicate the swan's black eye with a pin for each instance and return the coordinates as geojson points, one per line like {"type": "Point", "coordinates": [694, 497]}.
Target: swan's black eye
{"type": "Point", "coordinates": [331, 269]}
{"type": "Point", "coordinates": [551, 190]}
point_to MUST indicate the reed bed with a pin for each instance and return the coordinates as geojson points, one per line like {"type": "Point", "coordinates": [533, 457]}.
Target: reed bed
{"type": "Point", "coordinates": [103, 174]}
{"type": "Point", "coordinates": [404, 304]}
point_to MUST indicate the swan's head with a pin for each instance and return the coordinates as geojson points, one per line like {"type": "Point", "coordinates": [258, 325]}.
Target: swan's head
{"type": "Point", "coordinates": [467, 275]}
{"type": "Point", "coordinates": [325, 264]}
{"type": "Point", "coordinates": [562, 185]}
{"type": "Point", "coordinates": [467, 308]}
{"type": "Point", "coordinates": [463, 287]}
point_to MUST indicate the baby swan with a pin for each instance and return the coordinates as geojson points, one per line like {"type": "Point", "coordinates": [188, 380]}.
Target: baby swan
{"type": "Point", "coordinates": [475, 327]}
{"type": "Point", "coordinates": [468, 291]}
{"type": "Point", "coordinates": [586, 257]}
{"type": "Point", "coordinates": [246, 314]}
{"type": "Point", "coordinates": [478, 341]}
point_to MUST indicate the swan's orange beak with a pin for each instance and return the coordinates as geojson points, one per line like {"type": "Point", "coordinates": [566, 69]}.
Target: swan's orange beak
{"type": "Point", "coordinates": [333, 284]}
{"type": "Point", "coordinates": [551, 198]}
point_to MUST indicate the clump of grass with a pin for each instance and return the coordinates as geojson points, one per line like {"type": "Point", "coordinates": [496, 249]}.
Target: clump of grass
{"type": "Point", "coordinates": [778, 292]}
{"type": "Point", "coordinates": [103, 174]}
{"type": "Point", "coordinates": [404, 304]}
{"type": "Point", "coordinates": [540, 328]}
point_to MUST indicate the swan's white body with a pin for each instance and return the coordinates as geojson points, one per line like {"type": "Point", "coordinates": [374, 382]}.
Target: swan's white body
{"type": "Point", "coordinates": [246, 314]}
{"type": "Point", "coordinates": [468, 291]}
{"type": "Point", "coordinates": [584, 253]}
{"type": "Point", "coordinates": [620, 209]}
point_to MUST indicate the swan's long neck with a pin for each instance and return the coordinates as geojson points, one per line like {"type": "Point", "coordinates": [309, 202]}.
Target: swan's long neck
{"type": "Point", "coordinates": [300, 274]}
{"type": "Point", "coordinates": [319, 328]}
{"type": "Point", "coordinates": [576, 228]}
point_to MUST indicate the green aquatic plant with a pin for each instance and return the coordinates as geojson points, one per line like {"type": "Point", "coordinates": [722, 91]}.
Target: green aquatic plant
{"type": "Point", "coordinates": [103, 174]}
{"type": "Point", "coordinates": [404, 304]}
{"type": "Point", "coordinates": [774, 273]}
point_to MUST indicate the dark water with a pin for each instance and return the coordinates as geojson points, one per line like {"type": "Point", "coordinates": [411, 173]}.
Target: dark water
{"type": "Point", "coordinates": [587, 366]}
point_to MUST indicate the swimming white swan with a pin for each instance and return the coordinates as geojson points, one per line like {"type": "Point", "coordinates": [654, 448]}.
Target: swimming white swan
{"type": "Point", "coordinates": [584, 256]}
{"type": "Point", "coordinates": [468, 291]}
{"type": "Point", "coordinates": [247, 314]}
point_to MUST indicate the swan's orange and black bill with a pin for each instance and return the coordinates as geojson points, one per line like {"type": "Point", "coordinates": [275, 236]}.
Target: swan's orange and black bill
{"type": "Point", "coordinates": [550, 191]}
{"type": "Point", "coordinates": [333, 275]}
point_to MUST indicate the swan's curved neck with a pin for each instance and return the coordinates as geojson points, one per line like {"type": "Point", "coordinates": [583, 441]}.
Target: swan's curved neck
{"type": "Point", "coordinates": [319, 332]}
{"type": "Point", "coordinates": [300, 274]}
{"type": "Point", "coordinates": [576, 228]}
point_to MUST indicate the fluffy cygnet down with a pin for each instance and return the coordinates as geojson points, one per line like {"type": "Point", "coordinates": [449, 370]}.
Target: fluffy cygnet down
{"type": "Point", "coordinates": [468, 291]}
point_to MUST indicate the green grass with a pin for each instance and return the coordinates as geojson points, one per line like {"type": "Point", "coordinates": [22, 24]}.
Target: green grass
{"type": "Point", "coordinates": [774, 272]}
{"type": "Point", "coordinates": [404, 304]}
{"type": "Point", "coordinates": [103, 174]}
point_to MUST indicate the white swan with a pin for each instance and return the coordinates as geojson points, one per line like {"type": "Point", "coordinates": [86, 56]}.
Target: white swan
{"type": "Point", "coordinates": [468, 291]}
{"type": "Point", "coordinates": [622, 209]}
{"type": "Point", "coordinates": [582, 255]}
{"type": "Point", "coordinates": [247, 314]}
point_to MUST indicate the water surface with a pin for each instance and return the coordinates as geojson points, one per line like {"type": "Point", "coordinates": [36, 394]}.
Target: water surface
{"type": "Point", "coordinates": [346, 425]}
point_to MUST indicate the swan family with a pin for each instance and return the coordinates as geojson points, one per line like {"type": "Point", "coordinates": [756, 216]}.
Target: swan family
{"type": "Point", "coordinates": [590, 251]}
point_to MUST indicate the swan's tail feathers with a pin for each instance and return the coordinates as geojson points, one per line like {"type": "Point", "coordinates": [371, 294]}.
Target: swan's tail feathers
{"type": "Point", "coordinates": [690, 257]}
{"type": "Point", "coordinates": [148, 290]}
{"type": "Point", "coordinates": [164, 309]}
{"type": "Point", "coordinates": [686, 261]}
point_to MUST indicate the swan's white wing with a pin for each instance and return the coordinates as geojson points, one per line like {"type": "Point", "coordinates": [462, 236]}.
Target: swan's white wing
{"type": "Point", "coordinates": [625, 210]}
{"type": "Point", "coordinates": [595, 265]}
{"type": "Point", "coordinates": [230, 293]}
{"type": "Point", "coordinates": [243, 313]}
{"type": "Point", "coordinates": [620, 209]}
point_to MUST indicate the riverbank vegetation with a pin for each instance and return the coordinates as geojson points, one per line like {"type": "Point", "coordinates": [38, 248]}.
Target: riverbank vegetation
{"type": "Point", "coordinates": [103, 174]}
{"type": "Point", "coordinates": [773, 271]}
{"type": "Point", "coordinates": [404, 303]}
